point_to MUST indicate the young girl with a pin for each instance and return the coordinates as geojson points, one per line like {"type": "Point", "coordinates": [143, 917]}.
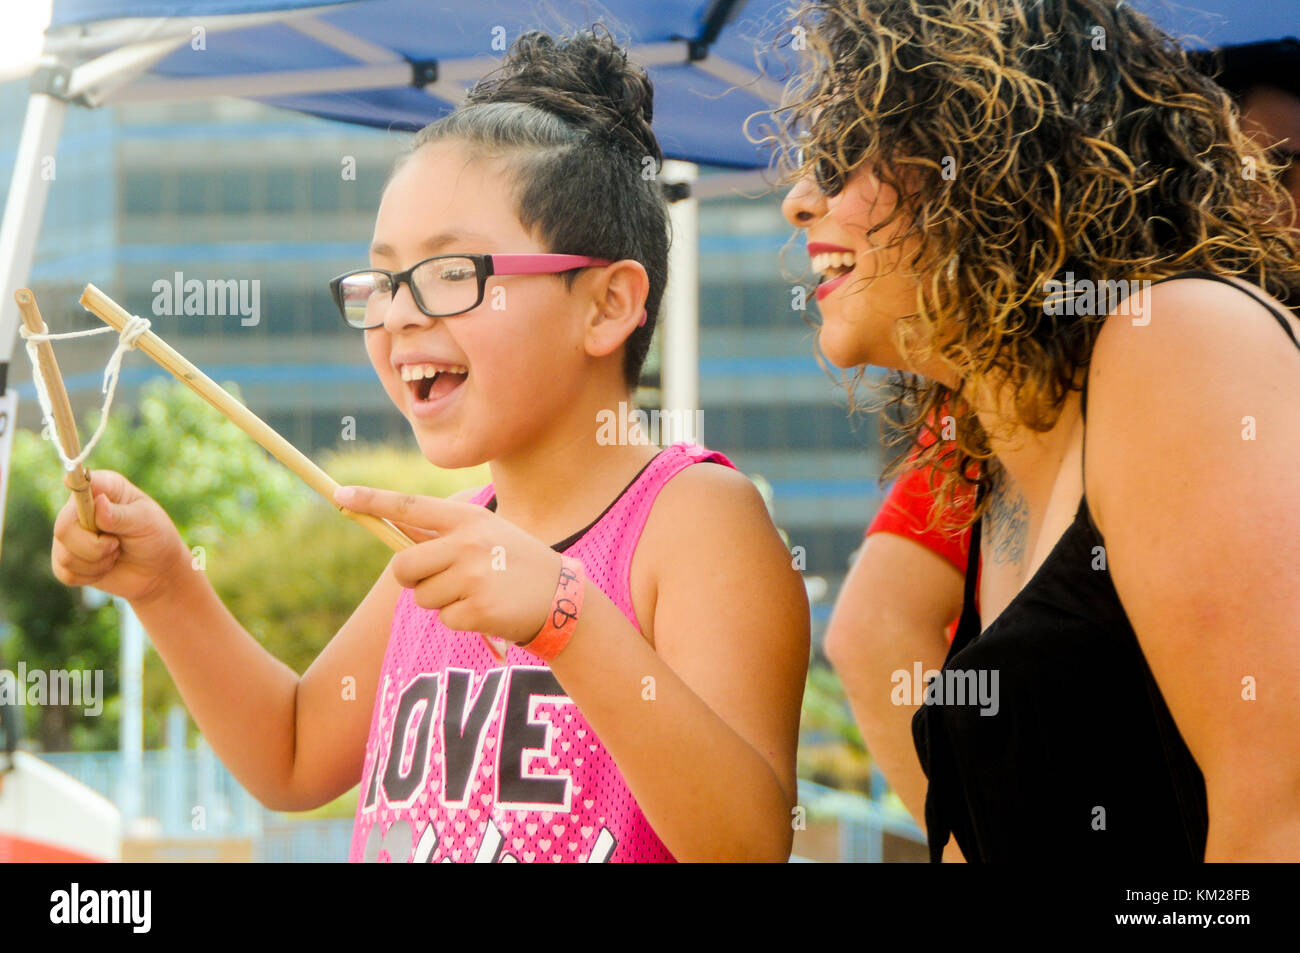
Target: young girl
{"type": "Point", "coordinates": [975, 182]}
{"type": "Point", "coordinates": [648, 705]}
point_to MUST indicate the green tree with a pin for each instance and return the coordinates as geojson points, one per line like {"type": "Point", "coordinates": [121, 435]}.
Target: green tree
{"type": "Point", "coordinates": [214, 482]}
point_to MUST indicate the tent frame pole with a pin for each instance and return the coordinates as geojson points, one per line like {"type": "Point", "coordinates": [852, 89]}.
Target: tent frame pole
{"type": "Point", "coordinates": [25, 207]}
{"type": "Point", "coordinates": [681, 314]}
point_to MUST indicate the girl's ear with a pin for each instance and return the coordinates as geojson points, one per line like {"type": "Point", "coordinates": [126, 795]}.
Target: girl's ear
{"type": "Point", "coordinates": [618, 297]}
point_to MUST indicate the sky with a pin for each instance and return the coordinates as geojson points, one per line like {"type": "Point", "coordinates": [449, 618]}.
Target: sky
{"type": "Point", "coordinates": [20, 40]}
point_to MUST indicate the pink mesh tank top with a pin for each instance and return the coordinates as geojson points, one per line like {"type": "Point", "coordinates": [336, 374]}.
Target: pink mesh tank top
{"type": "Point", "coordinates": [471, 760]}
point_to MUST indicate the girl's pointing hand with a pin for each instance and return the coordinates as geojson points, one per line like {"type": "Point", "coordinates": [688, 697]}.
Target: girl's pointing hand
{"type": "Point", "coordinates": [482, 573]}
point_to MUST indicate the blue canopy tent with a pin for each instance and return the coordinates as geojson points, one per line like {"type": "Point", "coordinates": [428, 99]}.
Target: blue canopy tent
{"type": "Point", "coordinates": [404, 62]}
{"type": "Point", "coordinates": [394, 64]}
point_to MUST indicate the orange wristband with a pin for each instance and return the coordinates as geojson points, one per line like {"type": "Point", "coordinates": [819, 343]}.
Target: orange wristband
{"type": "Point", "coordinates": [563, 619]}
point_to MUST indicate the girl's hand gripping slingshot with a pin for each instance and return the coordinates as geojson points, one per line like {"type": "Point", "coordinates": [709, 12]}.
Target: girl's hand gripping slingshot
{"type": "Point", "coordinates": [113, 314]}
{"type": "Point", "coordinates": [134, 333]}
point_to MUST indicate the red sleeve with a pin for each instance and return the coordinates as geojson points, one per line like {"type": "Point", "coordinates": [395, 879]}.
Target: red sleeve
{"type": "Point", "coordinates": [906, 511]}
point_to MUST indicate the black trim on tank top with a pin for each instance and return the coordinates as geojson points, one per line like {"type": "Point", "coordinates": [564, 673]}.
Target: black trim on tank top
{"type": "Point", "coordinates": [967, 630]}
{"type": "Point", "coordinates": [1083, 395]}
{"type": "Point", "coordinates": [568, 541]}
{"type": "Point", "coordinates": [1211, 276]}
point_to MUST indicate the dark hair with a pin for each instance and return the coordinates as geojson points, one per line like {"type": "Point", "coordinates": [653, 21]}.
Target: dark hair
{"type": "Point", "coordinates": [572, 118]}
{"type": "Point", "coordinates": [1044, 138]}
{"type": "Point", "coordinates": [1239, 69]}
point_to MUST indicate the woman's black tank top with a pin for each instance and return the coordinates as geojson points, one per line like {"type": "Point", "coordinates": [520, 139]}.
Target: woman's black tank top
{"type": "Point", "coordinates": [1081, 759]}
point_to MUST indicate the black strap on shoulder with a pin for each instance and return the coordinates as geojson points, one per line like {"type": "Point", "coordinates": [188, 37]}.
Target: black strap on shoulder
{"type": "Point", "coordinates": [1201, 273]}
{"type": "Point", "coordinates": [1195, 273]}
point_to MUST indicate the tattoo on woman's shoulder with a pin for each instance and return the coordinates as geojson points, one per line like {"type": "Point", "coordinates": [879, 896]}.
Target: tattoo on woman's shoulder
{"type": "Point", "coordinates": [1007, 521]}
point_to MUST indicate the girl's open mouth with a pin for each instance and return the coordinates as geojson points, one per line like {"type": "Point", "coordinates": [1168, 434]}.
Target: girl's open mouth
{"type": "Point", "coordinates": [440, 385]}
{"type": "Point", "coordinates": [431, 385]}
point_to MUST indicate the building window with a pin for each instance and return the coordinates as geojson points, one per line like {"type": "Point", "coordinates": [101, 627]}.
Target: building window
{"type": "Point", "coordinates": [236, 192]}
{"type": "Point", "coordinates": [325, 184]}
{"type": "Point", "coordinates": [192, 193]}
{"type": "Point", "coordinates": [143, 194]}
{"type": "Point", "coordinates": [281, 186]}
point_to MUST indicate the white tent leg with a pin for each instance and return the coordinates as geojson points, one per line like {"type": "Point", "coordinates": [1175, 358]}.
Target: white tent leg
{"type": "Point", "coordinates": [34, 169]}
{"type": "Point", "coordinates": [681, 312]}
{"type": "Point", "coordinates": [24, 210]}
{"type": "Point", "coordinates": [33, 172]}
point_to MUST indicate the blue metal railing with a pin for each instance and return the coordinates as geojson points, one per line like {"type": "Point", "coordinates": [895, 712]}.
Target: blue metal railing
{"type": "Point", "coordinates": [863, 822]}
{"type": "Point", "coordinates": [191, 794]}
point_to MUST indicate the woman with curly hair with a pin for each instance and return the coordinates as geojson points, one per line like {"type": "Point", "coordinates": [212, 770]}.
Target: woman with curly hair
{"type": "Point", "coordinates": [998, 196]}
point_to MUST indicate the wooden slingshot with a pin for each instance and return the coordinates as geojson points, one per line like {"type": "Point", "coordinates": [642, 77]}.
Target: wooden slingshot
{"type": "Point", "coordinates": [114, 315]}
{"type": "Point", "coordinates": [65, 425]}
{"type": "Point", "coordinates": [77, 478]}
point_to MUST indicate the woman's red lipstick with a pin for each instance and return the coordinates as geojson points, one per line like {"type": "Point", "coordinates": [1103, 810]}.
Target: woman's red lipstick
{"type": "Point", "coordinates": [820, 248]}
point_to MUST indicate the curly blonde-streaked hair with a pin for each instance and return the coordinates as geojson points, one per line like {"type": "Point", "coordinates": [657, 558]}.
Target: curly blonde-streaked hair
{"type": "Point", "coordinates": [1040, 138]}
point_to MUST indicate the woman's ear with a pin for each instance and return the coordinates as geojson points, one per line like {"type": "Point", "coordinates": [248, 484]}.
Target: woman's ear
{"type": "Point", "coordinates": [618, 297]}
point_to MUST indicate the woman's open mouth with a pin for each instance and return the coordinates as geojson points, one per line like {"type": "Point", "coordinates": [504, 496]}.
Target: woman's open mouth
{"type": "Point", "coordinates": [832, 268]}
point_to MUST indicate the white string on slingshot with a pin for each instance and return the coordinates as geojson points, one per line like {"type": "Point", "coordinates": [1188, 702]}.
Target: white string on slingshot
{"type": "Point", "coordinates": [130, 334]}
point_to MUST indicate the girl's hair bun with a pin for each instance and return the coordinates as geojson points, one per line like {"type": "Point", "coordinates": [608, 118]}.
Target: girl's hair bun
{"type": "Point", "coordinates": [569, 117]}
{"type": "Point", "coordinates": [586, 80]}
